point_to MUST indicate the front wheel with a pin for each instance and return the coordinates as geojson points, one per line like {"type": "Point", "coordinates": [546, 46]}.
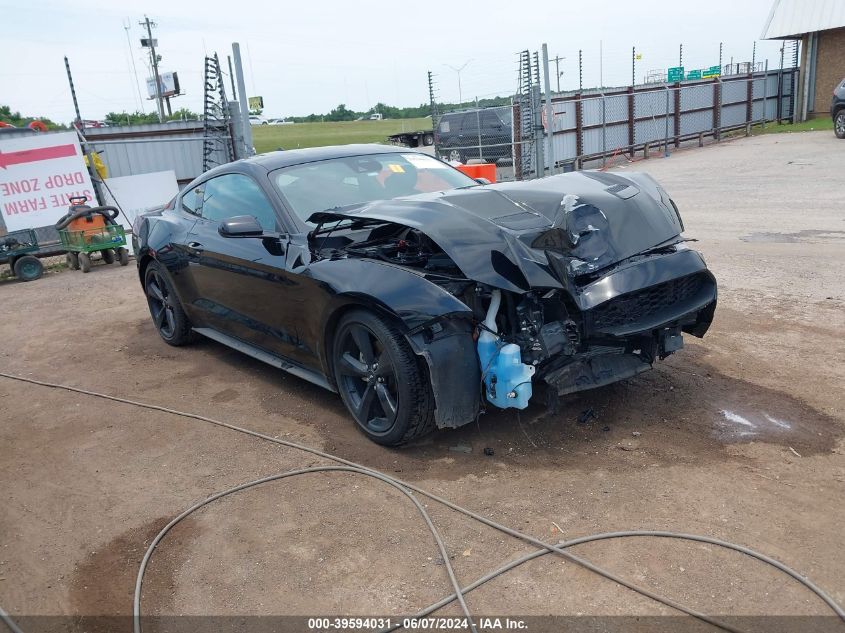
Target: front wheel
{"type": "Point", "coordinates": [28, 268]}
{"type": "Point", "coordinates": [107, 255]}
{"type": "Point", "coordinates": [383, 384]}
{"type": "Point", "coordinates": [84, 262]}
{"type": "Point", "coordinates": [839, 124]}
{"type": "Point", "coordinates": [123, 256]}
{"type": "Point", "coordinates": [428, 140]}
{"type": "Point", "coordinates": [169, 318]}
{"type": "Point", "coordinates": [72, 260]}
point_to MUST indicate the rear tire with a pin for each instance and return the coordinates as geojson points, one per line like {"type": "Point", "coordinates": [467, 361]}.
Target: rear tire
{"type": "Point", "coordinates": [72, 260]}
{"type": "Point", "coordinates": [383, 384]}
{"type": "Point", "coordinates": [85, 262]}
{"type": "Point", "coordinates": [123, 256]}
{"type": "Point", "coordinates": [108, 255]}
{"type": "Point", "coordinates": [169, 318]}
{"type": "Point", "coordinates": [839, 124]}
{"type": "Point", "coordinates": [428, 140]}
{"type": "Point", "coordinates": [28, 268]}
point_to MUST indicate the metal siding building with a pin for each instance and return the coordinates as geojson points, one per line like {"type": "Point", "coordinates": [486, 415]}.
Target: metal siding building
{"type": "Point", "coordinates": [820, 25]}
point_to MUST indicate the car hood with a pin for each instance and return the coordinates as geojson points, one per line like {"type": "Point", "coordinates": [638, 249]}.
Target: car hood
{"type": "Point", "coordinates": [543, 233]}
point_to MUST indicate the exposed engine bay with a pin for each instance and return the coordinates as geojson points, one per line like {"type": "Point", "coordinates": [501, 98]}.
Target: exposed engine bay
{"type": "Point", "coordinates": [565, 295]}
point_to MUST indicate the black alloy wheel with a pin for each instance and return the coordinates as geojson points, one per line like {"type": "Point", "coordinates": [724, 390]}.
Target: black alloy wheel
{"type": "Point", "coordinates": [168, 316]}
{"type": "Point", "coordinates": [381, 381]}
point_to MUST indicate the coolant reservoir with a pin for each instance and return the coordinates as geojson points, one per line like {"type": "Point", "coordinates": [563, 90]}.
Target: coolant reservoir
{"type": "Point", "coordinates": [507, 380]}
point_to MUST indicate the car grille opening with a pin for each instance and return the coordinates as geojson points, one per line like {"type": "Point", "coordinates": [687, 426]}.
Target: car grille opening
{"type": "Point", "coordinates": [640, 304]}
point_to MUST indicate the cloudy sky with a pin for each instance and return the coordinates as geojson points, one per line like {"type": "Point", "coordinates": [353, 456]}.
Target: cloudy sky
{"type": "Point", "coordinates": [305, 57]}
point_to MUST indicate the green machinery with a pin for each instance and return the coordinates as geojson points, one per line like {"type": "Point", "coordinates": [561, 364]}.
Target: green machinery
{"type": "Point", "coordinates": [16, 249]}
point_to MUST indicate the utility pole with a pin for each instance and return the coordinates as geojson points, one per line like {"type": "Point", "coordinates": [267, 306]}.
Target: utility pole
{"type": "Point", "coordinates": [557, 61]}
{"type": "Point", "coordinates": [154, 59]}
{"type": "Point", "coordinates": [550, 118]}
{"type": "Point", "coordinates": [79, 120]}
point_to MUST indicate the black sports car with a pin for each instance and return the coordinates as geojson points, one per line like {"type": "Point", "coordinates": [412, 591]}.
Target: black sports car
{"type": "Point", "coordinates": [420, 294]}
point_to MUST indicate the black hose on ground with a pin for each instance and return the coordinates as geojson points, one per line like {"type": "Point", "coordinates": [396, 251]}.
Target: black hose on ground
{"type": "Point", "coordinates": [458, 595]}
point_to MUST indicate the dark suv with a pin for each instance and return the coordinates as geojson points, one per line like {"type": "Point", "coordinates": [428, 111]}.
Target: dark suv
{"type": "Point", "coordinates": [485, 133]}
{"type": "Point", "coordinates": [837, 110]}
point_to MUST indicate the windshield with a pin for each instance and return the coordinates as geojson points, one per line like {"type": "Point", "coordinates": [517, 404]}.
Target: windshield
{"type": "Point", "coordinates": [339, 182]}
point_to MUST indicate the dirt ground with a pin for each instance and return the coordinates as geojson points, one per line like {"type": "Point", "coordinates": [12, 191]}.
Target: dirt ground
{"type": "Point", "coordinates": [738, 436]}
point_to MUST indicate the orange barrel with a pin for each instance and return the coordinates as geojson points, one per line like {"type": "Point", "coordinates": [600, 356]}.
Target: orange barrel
{"type": "Point", "coordinates": [487, 171]}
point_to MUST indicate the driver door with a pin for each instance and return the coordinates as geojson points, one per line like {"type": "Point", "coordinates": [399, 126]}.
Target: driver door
{"type": "Point", "coordinates": [240, 281]}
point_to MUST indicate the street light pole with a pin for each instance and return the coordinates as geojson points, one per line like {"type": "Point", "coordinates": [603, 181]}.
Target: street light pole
{"type": "Point", "coordinates": [458, 71]}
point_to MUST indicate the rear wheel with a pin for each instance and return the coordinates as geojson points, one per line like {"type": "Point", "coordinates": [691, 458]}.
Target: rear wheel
{"type": "Point", "coordinates": [382, 382]}
{"type": "Point", "coordinates": [123, 256]}
{"type": "Point", "coordinates": [168, 316]}
{"type": "Point", "coordinates": [84, 262]}
{"type": "Point", "coordinates": [428, 140]}
{"type": "Point", "coordinates": [108, 255]}
{"type": "Point", "coordinates": [72, 260]}
{"type": "Point", "coordinates": [28, 268]}
{"type": "Point", "coordinates": [839, 124]}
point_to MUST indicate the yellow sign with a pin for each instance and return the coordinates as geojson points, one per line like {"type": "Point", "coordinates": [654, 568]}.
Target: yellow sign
{"type": "Point", "coordinates": [256, 103]}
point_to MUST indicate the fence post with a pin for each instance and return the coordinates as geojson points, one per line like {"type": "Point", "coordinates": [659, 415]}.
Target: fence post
{"type": "Point", "coordinates": [749, 102]}
{"type": "Point", "coordinates": [678, 114]}
{"type": "Point", "coordinates": [666, 126]}
{"type": "Point", "coordinates": [717, 108]}
{"type": "Point", "coordinates": [579, 127]}
{"type": "Point", "coordinates": [631, 127]}
{"type": "Point", "coordinates": [603, 129]}
{"type": "Point", "coordinates": [550, 116]}
{"type": "Point", "coordinates": [517, 145]}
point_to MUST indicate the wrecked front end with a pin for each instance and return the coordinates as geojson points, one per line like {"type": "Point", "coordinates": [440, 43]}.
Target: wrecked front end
{"type": "Point", "coordinates": [570, 283]}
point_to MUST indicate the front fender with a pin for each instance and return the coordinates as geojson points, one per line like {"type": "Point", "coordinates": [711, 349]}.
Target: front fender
{"type": "Point", "coordinates": [437, 326]}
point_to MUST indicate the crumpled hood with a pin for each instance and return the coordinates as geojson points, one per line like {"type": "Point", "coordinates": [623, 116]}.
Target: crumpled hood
{"type": "Point", "coordinates": [520, 235]}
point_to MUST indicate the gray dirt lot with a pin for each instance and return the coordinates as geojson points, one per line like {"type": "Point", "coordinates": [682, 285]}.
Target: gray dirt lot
{"type": "Point", "coordinates": [85, 483]}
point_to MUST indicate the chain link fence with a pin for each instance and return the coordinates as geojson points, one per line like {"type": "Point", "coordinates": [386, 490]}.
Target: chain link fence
{"type": "Point", "coordinates": [594, 127]}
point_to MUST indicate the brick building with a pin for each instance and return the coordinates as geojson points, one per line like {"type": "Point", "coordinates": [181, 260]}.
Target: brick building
{"type": "Point", "coordinates": [820, 26]}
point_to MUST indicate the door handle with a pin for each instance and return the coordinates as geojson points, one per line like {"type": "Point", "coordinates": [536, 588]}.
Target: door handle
{"type": "Point", "coordinates": [195, 248]}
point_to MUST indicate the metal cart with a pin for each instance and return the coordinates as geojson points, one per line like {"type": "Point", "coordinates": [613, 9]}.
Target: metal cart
{"type": "Point", "coordinates": [16, 248]}
{"type": "Point", "coordinates": [87, 230]}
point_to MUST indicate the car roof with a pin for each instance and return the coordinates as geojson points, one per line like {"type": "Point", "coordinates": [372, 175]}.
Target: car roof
{"type": "Point", "coordinates": [275, 160]}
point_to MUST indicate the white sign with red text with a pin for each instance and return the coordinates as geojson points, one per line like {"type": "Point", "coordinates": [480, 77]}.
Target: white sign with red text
{"type": "Point", "coordinates": [38, 176]}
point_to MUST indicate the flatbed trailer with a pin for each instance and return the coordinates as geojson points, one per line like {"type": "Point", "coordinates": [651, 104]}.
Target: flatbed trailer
{"type": "Point", "coordinates": [418, 138]}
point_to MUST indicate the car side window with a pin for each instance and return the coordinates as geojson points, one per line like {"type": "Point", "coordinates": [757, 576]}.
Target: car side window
{"type": "Point", "coordinates": [192, 200]}
{"type": "Point", "coordinates": [231, 195]}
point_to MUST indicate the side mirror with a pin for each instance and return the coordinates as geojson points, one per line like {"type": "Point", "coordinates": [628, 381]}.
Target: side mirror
{"type": "Point", "coordinates": [240, 226]}
{"type": "Point", "coordinates": [483, 181]}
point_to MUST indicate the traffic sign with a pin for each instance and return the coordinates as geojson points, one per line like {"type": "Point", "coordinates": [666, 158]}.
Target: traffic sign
{"type": "Point", "coordinates": [713, 71]}
{"type": "Point", "coordinates": [676, 73]}
{"type": "Point", "coordinates": [694, 74]}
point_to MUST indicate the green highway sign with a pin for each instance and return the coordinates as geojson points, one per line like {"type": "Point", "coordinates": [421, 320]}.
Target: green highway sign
{"type": "Point", "coordinates": [676, 73]}
{"type": "Point", "coordinates": [713, 71]}
{"type": "Point", "coordinates": [694, 74]}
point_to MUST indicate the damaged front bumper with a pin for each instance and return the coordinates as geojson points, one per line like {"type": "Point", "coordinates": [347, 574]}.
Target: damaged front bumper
{"type": "Point", "coordinates": [634, 316]}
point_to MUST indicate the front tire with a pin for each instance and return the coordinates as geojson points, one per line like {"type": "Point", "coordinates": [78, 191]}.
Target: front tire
{"type": "Point", "coordinates": [169, 318]}
{"type": "Point", "coordinates": [839, 124]}
{"type": "Point", "coordinates": [28, 268]}
{"type": "Point", "coordinates": [383, 384]}
{"type": "Point", "coordinates": [84, 262]}
{"type": "Point", "coordinates": [108, 255]}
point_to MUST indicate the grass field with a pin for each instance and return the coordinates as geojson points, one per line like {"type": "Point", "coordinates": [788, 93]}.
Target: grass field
{"type": "Point", "coordinates": [820, 123]}
{"type": "Point", "coordinates": [271, 137]}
